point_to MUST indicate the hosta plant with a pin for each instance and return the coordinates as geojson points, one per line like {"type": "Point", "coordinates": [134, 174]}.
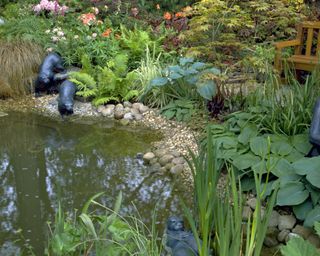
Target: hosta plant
{"type": "Point", "coordinates": [181, 110]}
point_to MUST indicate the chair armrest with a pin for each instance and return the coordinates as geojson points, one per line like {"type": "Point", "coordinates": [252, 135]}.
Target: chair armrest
{"type": "Point", "coordinates": [280, 45]}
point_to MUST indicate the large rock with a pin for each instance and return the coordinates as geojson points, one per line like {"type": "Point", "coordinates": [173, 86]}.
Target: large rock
{"type": "Point", "coordinates": [177, 169]}
{"type": "Point", "coordinates": [136, 105]}
{"type": "Point", "coordinates": [143, 108]}
{"type": "Point", "coordinates": [165, 159]}
{"type": "Point", "coordinates": [108, 112]}
{"type": "Point", "coordinates": [246, 212]}
{"type": "Point", "coordinates": [178, 160]}
{"type": "Point", "coordinates": [315, 240]}
{"type": "Point", "coordinates": [100, 108]}
{"type": "Point", "coordinates": [147, 157]}
{"type": "Point", "coordinates": [286, 222]}
{"type": "Point", "coordinates": [138, 117]}
{"type": "Point", "coordinates": [128, 116]}
{"type": "Point", "coordinates": [302, 231]}
{"type": "Point", "coordinates": [274, 219]}
{"type": "Point", "coordinates": [282, 236]}
{"type": "Point", "coordinates": [270, 241]}
{"type": "Point", "coordinates": [252, 202]}
{"type": "Point", "coordinates": [127, 104]}
{"type": "Point", "coordinates": [134, 111]}
{"type": "Point", "coordinates": [160, 152]}
{"type": "Point", "coordinates": [119, 111]}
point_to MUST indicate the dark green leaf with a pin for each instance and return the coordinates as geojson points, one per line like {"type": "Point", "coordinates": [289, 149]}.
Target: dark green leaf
{"type": "Point", "coordinates": [305, 165]}
{"type": "Point", "coordinates": [198, 65]}
{"type": "Point", "coordinates": [301, 143]}
{"type": "Point", "coordinates": [301, 210]}
{"type": "Point", "coordinates": [259, 146]}
{"type": "Point", "coordinates": [247, 133]}
{"type": "Point", "coordinates": [292, 193]}
{"type": "Point", "coordinates": [245, 161]}
{"type": "Point", "coordinates": [297, 246]}
{"type": "Point", "coordinates": [184, 61]}
{"type": "Point", "coordinates": [281, 148]}
{"type": "Point", "coordinates": [312, 217]}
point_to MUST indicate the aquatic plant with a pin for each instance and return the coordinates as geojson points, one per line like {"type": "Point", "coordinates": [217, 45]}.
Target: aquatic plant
{"type": "Point", "coordinates": [19, 62]}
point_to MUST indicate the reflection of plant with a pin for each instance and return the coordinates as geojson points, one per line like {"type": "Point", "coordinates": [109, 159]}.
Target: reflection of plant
{"type": "Point", "coordinates": [191, 80]}
{"type": "Point", "coordinates": [98, 234]}
{"type": "Point", "coordinates": [297, 246]}
{"type": "Point", "coordinates": [110, 83]}
{"type": "Point", "coordinates": [181, 110]}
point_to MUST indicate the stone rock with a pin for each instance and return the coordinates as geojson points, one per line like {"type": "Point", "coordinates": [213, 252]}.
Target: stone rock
{"type": "Point", "coordinates": [252, 202]}
{"type": "Point", "coordinates": [169, 166]}
{"type": "Point", "coordinates": [175, 153]}
{"type": "Point", "coordinates": [100, 108]}
{"type": "Point", "coordinates": [270, 241]}
{"type": "Point", "coordinates": [290, 236]}
{"type": "Point", "coordinates": [127, 104]}
{"type": "Point", "coordinates": [134, 111]}
{"type": "Point", "coordinates": [136, 105]}
{"type": "Point", "coordinates": [153, 161]}
{"type": "Point", "coordinates": [143, 108]}
{"type": "Point", "coordinates": [127, 110]}
{"type": "Point", "coordinates": [128, 116]}
{"type": "Point", "coordinates": [272, 231]}
{"type": "Point", "coordinates": [282, 236]}
{"type": "Point", "coordinates": [178, 160]}
{"type": "Point", "coordinates": [286, 222]}
{"type": "Point", "coordinates": [138, 117]}
{"type": "Point", "coordinates": [147, 157]}
{"type": "Point", "coordinates": [177, 169]}
{"type": "Point", "coordinates": [111, 106]}
{"type": "Point", "coordinates": [246, 212]}
{"type": "Point", "coordinates": [274, 219]}
{"type": "Point", "coordinates": [156, 166]}
{"type": "Point", "coordinates": [162, 170]}
{"type": "Point", "coordinates": [165, 159]}
{"type": "Point", "coordinates": [107, 112]}
{"type": "Point", "coordinates": [160, 152]}
{"type": "Point", "coordinates": [119, 112]}
{"type": "Point", "coordinates": [302, 231]}
{"type": "Point", "coordinates": [315, 240]}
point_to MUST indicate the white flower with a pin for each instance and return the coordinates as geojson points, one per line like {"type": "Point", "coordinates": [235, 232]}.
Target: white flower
{"type": "Point", "coordinates": [55, 38]}
{"type": "Point", "coordinates": [50, 49]}
{"type": "Point", "coordinates": [55, 30]}
{"type": "Point", "coordinates": [76, 37]}
{"type": "Point", "coordinates": [94, 35]}
{"type": "Point", "coordinates": [47, 31]}
{"type": "Point", "coordinates": [88, 37]}
{"type": "Point", "coordinates": [95, 10]}
{"type": "Point", "coordinates": [60, 33]}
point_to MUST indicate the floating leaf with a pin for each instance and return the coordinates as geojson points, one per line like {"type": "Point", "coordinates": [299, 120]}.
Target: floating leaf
{"type": "Point", "coordinates": [259, 146]}
{"type": "Point", "coordinates": [312, 217]}
{"type": "Point", "coordinates": [292, 193]}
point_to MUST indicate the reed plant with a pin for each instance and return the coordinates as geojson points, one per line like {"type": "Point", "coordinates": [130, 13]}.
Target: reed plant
{"type": "Point", "coordinates": [19, 64]}
{"type": "Point", "coordinates": [217, 217]}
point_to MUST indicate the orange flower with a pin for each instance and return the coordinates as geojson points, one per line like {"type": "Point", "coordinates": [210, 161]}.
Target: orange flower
{"type": "Point", "coordinates": [167, 16]}
{"type": "Point", "coordinates": [88, 18]}
{"type": "Point", "coordinates": [107, 32]}
{"type": "Point", "coordinates": [179, 15]}
{"type": "Point", "coordinates": [158, 6]}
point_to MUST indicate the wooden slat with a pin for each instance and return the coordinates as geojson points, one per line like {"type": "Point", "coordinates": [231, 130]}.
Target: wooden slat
{"type": "Point", "coordinates": [311, 24]}
{"type": "Point", "coordinates": [309, 41]}
{"type": "Point", "coordinates": [298, 48]}
{"type": "Point", "coordinates": [283, 44]}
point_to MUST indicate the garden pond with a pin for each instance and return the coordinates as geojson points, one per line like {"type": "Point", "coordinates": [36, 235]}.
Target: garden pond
{"type": "Point", "coordinates": [44, 161]}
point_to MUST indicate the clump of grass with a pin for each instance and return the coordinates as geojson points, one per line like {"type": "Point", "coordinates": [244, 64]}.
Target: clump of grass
{"type": "Point", "coordinates": [19, 64]}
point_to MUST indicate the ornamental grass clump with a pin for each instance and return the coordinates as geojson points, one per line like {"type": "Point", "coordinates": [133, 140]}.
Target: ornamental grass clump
{"type": "Point", "coordinates": [19, 64]}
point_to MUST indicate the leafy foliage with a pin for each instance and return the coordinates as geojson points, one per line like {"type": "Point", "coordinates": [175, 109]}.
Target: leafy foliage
{"type": "Point", "coordinates": [182, 110]}
{"type": "Point", "coordinates": [297, 246]}
{"type": "Point", "coordinates": [221, 29]}
{"type": "Point", "coordinates": [190, 79]}
{"type": "Point", "coordinates": [110, 83]}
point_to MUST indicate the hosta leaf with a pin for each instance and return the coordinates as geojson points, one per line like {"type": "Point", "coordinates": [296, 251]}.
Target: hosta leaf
{"type": "Point", "coordinates": [175, 69]}
{"type": "Point", "coordinates": [292, 193]}
{"type": "Point", "coordinates": [169, 114]}
{"type": "Point", "coordinates": [207, 89]}
{"type": "Point", "coordinates": [301, 143]}
{"type": "Point", "coordinates": [227, 142]}
{"type": "Point", "coordinates": [281, 148]}
{"type": "Point", "coordinates": [184, 61]}
{"type": "Point", "coordinates": [247, 133]}
{"type": "Point", "coordinates": [281, 167]}
{"type": "Point", "coordinates": [259, 146]}
{"type": "Point", "coordinates": [297, 246]}
{"type": "Point", "coordinates": [245, 161]}
{"type": "Point", "coordinates": [260, 167]}
{"type": "Point", "coordinates": [314, 193]}
{"type": "Point", "coordinates": [159, 81]}
{"type": "Point", "coordinates": [198, 65]}
{"type": "Point", "coordinates": [191, 71]}
{"type": "Point", "coordinates": [214, 71]}
{"type": "Point", "coordinates": [305, 165]}
{"type": "Point", "coordinates": [301, 210]}
{"type": "Point", "coordinates": [294, 156]}
{"type": "Point", "coordinates": [312, 217]}
{"type": "Point", "coordinates": [313, 176]}
{"type": "Point", "coordinates": [175, 76]}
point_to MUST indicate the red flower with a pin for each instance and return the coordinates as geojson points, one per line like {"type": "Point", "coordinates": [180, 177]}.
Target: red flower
{"type": "Point", "coordinates": [167, 16]}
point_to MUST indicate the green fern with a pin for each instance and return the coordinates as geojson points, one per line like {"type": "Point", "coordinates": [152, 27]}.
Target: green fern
{"type": "Point", "coordinates": [86, 84]}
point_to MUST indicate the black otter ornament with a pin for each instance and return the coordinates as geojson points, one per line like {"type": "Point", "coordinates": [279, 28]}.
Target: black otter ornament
{"type": "Point", "coordinates": [51, 65]}
{"type": "Point", "coordinates": [67, 91]}
{"type": "Point", "coordinates": [314, 134]}
{"type": "Point", "coordinates": [179, 242]}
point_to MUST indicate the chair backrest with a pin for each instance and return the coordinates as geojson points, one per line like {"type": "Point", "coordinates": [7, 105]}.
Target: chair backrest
{"type": "Point", "coordinates": [309, 34]}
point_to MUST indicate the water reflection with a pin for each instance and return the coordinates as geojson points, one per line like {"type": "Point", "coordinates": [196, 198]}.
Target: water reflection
{"type": "Point", "coordinates": [43, 161]}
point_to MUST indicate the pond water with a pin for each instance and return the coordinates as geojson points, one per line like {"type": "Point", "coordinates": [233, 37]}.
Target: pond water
{"type": "Point", "coordinates": [45, 161]}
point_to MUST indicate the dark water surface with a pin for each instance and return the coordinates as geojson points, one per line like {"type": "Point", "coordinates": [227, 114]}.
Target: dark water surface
{"type": "Point", "coordinates": [44, 161]}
